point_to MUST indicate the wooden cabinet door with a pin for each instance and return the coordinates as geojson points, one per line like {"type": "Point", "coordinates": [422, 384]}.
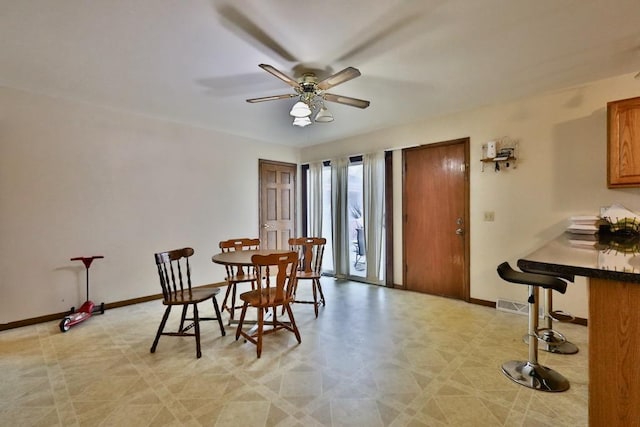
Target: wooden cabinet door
{"type": "Point", "coordinates": [623, 146]}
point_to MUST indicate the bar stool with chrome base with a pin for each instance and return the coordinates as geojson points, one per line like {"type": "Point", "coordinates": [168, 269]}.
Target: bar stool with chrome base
{"type": "Point", "coordinates": [550, 339]}
{"type": "Point", "coordinates": [530, 373]}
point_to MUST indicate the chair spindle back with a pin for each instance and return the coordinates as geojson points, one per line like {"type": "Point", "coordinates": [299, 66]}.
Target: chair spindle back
{"type": "Point", "coordinates": [174, 271]}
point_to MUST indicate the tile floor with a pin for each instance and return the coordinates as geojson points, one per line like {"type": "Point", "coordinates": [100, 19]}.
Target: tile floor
{"type": "Point", "coordinates": [374, 357]}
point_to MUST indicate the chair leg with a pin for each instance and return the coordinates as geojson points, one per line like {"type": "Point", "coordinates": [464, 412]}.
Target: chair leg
{"type": "Point", "coordinates": [196, 325]}
{"type": "Point", "coordinates": [241, 321]}
{"type": "Point", "coordinates": [232, 309]}
{"type": "Point", "coordinates": [183, 317]}
{"type": "Point", "coordinates": [163, 322]}
{"type": "Point", "coordinates": [320, 291]}
{"type": "Point", "coordinates": [260, 330]}
{"type": "Point", "coordinates": [226, 297]}
{"type": "Point", "coordinates": [292, 320]}
{"type": "Point", "coordinates": [315, 297]}
{"type": "Point", "coordinates": [218, 315]}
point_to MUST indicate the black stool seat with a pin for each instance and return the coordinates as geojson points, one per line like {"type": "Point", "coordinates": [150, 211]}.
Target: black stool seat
{"type": "Point", "coordinates": [564, 276]}
{"type": "Point", "coordinates": [530, 373]}
{"type": "Point", "coordinates": [534, 279]}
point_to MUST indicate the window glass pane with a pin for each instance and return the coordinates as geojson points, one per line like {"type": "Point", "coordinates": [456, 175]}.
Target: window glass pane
{"type": "Point", "coordinates": [327, 260]}
{"type": "Point", "coordinates": [356, 221]}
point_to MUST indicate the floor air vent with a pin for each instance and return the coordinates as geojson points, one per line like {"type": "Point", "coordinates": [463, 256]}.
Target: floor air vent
{"type": "Point", "coordinates": [512, 306]}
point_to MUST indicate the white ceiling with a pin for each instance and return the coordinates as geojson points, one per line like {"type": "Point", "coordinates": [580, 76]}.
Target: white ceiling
{"type": "Point", "coordinates": [196, 61]}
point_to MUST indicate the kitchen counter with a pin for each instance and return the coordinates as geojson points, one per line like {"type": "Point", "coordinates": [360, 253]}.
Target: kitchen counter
{"type": "Point", "coordinates": [610, 257]}
{"type": "Point", "coordinates": [612, 268]}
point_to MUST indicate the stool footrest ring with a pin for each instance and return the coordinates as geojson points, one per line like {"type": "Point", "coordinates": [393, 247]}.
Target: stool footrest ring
{"type": "Point", "coordinates": [550, 336]}
{"type": "Point", "coordinates": [553, 341]}
{"type": "Point", "coordinates": [562, 316]}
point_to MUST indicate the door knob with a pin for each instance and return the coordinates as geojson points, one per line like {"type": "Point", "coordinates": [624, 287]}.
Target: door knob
{"type": "Point", "coordinates": [459, 231]}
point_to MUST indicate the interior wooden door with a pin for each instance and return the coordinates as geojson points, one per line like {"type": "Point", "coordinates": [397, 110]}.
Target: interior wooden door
{"type": "Point", "coordinates": [436, 219]}
{"type": "Point", "coordinates": [277, 204]}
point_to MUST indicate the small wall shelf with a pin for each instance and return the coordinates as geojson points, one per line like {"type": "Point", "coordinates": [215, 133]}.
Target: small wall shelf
{"type": "Point", "coordinates": [506, 155]}
{"type": "Point", "coordinates": [500, 162]}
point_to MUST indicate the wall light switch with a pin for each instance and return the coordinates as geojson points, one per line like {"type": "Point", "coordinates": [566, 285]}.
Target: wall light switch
{"type": "Point", "coordinates": [489, 216]}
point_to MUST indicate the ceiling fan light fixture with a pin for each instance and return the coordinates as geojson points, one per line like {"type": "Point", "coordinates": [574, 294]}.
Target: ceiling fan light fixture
{"type": "Point", "coordinates": [300, 109]}
{"type": "Point", "coordinates": [324, 115]}
{"type": "Point", "coordinates": [301, 121]}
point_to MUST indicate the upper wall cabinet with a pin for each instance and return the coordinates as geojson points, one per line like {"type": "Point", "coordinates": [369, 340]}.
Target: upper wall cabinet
{"type": "Point", "coordinates": [623, 145]}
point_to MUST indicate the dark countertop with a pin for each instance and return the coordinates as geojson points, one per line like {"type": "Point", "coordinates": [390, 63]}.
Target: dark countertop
{"type": "Point", "coordinates": [609, 257]}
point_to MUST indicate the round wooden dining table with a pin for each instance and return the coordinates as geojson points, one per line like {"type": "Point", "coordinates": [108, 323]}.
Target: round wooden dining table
{"type": "Point", "coordinates": [243, 257]}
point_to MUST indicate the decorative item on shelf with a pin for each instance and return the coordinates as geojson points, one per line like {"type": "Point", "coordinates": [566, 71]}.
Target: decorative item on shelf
{"type": "Point", "coordinates": [624, 225]}
{"type": "Point", "coordinates": [501, 152]}
{"type": "Point", "coordinates": [621, 220]}
{"type": "Point", "coordinates": [621, 244]}
{"type": "Point", "coordinates": [619, 252]}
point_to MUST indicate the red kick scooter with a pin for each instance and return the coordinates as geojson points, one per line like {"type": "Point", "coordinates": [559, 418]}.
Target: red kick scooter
{"type": "Point", "coordinates": [88, 308]}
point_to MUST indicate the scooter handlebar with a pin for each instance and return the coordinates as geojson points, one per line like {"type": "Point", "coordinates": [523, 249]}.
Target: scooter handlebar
{"type": "Point", "coordinates": [80, 258]}
{"type": "Point", "coordinates": [87, 260]}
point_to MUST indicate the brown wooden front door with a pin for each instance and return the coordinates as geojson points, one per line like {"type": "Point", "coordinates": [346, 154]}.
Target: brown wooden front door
{"type": "Point", "coordinates": [435, 197]}
{"type": "Point", "coordinates": [277, 204]}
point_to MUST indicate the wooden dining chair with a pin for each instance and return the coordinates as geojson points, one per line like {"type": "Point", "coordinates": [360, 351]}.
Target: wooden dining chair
{"type": "Point", "coordinates": [237, 273]}
{"type": "Point", "coordinates": [275, 289]}
{"type": "Point", "coordinates": [310, 251]}
{"type": "Point", "coordinates": [175, 279]}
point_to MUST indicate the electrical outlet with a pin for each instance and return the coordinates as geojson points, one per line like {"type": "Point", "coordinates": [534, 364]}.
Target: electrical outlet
{"type": "Point", "coordinates": [489, 216]}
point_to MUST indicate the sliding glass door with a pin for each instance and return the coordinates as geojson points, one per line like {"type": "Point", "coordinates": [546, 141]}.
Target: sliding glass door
{"type": "Point", "coordinates": [353, 233]}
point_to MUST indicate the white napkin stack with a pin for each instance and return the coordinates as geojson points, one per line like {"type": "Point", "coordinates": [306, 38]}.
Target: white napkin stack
{"type": "Point", "coordinates": [586, 224]}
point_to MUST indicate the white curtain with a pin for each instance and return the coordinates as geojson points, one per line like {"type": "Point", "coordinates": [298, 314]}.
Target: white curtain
{"type": "Point", "coordinates": [339, 216]}
{"type": "Point", "coordinates": [314, 207]}
{"type": "Point", "coordinates": [373, 171]}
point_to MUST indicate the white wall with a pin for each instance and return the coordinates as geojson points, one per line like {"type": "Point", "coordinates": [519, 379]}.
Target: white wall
{"type": "Point", "coordinates": [78, 180]}
{"type": "Point", "coordinates": [561, 172]}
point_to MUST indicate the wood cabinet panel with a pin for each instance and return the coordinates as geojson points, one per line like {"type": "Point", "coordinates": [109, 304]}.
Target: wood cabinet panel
{"type": "Point", "coordinates": [614, 353]}
{"type": "Point", "coordinates": [623, 145]}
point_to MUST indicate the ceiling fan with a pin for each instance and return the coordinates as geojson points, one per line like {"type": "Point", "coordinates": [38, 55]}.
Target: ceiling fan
{"type": "Point", "coordinates": [312, 94]}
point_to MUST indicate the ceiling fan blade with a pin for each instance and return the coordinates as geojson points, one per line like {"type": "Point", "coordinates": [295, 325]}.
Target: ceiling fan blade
{"type": "Point", "coordinates": [240, 23]}
{"type": "Point", "coordinates": [272, 98]}
{"type": "Point", "coordinates": [279, 74]}
{"type": "Point", "coordinates": [387, 33]}
{"type": "Point", "coordinates": [339, 77]}
{"type": "Point", "coordinates": [353, 102]}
